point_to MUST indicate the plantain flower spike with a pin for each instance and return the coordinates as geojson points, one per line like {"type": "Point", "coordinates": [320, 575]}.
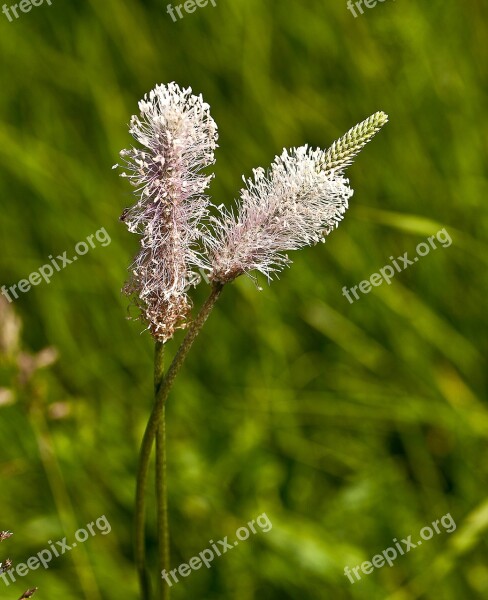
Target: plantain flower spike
{"type": "Point", "coordinates": [176, 139]}
{"type": "Point", "coordinates": [296, 203]}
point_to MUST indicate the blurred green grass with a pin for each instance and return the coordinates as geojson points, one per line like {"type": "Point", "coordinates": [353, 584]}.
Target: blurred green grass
{"type": "Point", "coordinates": [348, 425]}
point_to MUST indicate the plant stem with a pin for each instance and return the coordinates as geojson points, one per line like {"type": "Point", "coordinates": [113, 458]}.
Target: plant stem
{"type": "Point", "coordinates": [161, 479]}
{"type": "Point", "coordinates": [139, 543]}
{"type": "Point", "coordinates": [152, 427]}
{"type": "Point", "coordinates": [158, 365]}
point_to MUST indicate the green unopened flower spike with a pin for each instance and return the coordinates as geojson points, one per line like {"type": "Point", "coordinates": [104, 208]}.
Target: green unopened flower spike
{"type": "Point", "coordinates": [343, 151]}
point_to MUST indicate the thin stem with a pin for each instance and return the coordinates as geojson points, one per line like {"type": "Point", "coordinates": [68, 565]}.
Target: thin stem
{"type": "Point", "coordinates": [178, 361]}
{"type": "Point", "coordinates": [140, 548]}
{"type": "Point", "coordinates": [139, 543]}
{"type": "Point", "coordinates": [161, 479]}
{"type": "Point", "coordinates": [162, 505]}
{"type": "Point", "coordinates": [158, 365]}
{"type": "Point", "coordinates": [151, 428]}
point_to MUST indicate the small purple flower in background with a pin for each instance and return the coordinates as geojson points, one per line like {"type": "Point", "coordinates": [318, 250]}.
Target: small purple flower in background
{"type": "Point", "coordinates": [179, 138]}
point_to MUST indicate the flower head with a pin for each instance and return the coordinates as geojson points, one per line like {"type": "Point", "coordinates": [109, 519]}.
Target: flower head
{"type": "Point", "coordinates": [178, 138]}
{"type": "Point", "coordinates": [299, 201]}
{"type": "Point", "coordinates": [291, 206]}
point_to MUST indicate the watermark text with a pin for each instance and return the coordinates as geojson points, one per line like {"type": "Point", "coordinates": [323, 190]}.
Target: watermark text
{"type": "Point", "coordinates": [389, 555]}
{"type": "Point", "coordinates": [400, 263]}
{"type": "Point", "coordinates": [206, 557]}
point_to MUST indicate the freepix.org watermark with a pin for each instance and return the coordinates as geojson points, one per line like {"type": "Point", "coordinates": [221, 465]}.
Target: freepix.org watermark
{"type": "Point", "coordinates": [24, 6]}
{"type": "Point", "coordinates": [189, 7]}
{"type": "Point", "coordinates": [56, 264]}
{"type": "Point", "coordinates": [389, 555]}
{"type": "Point", "coordinates": [400, 263]}
{"type": "Point", "coordinates": [55, 550]}
{"type": "Point", "coordinates": [357, 7]}
{"type": "Point", "coordinates": [206, 557]}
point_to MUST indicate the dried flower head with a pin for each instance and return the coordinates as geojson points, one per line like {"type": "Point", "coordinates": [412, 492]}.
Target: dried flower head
{"type": "Point", "coordinates": [4, 535]}
{"type": "Point", "coordinates": [5, 566]}
{"type": "Point", "coordinates": [28, 593]}
{"type": "Point", "coordinates": [178, 137]}
{"type": "Point", "coordinates": [299, 201]}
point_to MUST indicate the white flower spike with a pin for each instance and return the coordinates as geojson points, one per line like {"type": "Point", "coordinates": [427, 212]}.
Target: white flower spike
{"type": "Point", "coordinates": [299, 201]}
{"type": "Point", "coordinates": [179, 137]}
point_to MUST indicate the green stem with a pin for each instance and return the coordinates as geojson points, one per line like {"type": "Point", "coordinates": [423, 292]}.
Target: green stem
{"type": "Point", "coordinates": [151, 429]}
{"type": "Point", "coordinates": [139, 543]}
{"type": "Point", "coordinates": [158, 366]}
{"type": "Point", "coordinates": [161, 479]}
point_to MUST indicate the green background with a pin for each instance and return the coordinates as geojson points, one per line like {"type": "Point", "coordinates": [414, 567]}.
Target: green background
{"type": "Point", "coordinates": [347, 424]}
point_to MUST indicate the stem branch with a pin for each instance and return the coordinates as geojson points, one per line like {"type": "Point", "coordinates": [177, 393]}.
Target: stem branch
{"type": "Point", "coordinates": [151, 429]}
